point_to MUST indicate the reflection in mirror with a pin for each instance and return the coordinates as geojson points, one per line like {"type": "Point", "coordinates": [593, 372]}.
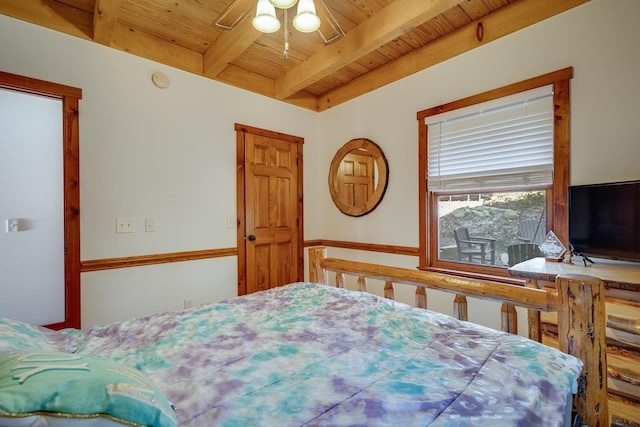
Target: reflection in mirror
{"type": "Point", "coordinates": [358, 177]}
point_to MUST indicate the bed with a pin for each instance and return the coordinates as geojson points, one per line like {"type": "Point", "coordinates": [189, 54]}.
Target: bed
{"type": "Point", "coordinates": [305, 354]}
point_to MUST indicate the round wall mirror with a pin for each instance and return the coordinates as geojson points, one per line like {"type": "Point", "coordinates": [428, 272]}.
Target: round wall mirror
{"type": "Point", "coordinates": [358, 177]}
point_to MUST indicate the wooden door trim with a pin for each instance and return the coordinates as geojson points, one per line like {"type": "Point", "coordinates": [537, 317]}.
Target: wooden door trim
{"type": "Point", "coordinates": [241, 130]}
{"type": "Point", "coordinates": [70, 97]}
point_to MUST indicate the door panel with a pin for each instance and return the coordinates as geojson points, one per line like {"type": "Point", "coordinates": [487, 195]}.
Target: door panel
{"type": "Point", "coordinates": [258, 272]}
{"type": "Point", "coordinates": [269, 209]}
{"type": "Point", "coordinates": [283, 213]}
{"type": "Point", "coordinates": [281, 273]}
{"type": "Point", "coordinates": [260, 195]}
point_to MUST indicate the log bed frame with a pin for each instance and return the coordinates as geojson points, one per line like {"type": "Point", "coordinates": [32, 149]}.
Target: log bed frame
{"type": "Point", "coordinates": [577, 299]}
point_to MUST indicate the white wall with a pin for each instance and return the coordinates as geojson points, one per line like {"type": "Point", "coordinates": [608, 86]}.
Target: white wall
{"type": "Point", "coordinates": [599, 39]}
{"type": "Point", "coordinates": [170, 154]}
{"type": "Point", "coordinates": [147, 152]}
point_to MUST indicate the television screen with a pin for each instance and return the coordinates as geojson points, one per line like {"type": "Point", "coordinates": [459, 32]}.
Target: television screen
{"type": "Point", "coordinates": [604, 220]}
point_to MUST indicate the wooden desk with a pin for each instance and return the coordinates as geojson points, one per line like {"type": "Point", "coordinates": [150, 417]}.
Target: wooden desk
{"type": "Point", "coordinates": [622, 287]}
{"type": "Point", "coordinates": [625, 276]}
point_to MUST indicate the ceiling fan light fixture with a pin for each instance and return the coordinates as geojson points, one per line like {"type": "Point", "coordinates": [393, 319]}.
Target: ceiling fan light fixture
{"type": "Point", "coordinates": [283, 4]}
{"type": "Point", "coordinates": [306, 20]}
{"type": "Point", "coordinates": [266, 20]}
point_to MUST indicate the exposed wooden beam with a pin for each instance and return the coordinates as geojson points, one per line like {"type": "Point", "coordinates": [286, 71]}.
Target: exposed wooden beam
{"type": "Point", "coordinates": [240, 77]}
{"type": "Point", "coordinates": [256, 83]}
{"type": "Point", "coordinates": [50, 14]}
{"type": "Point", "coordinates": [155, 49]}
{"type": "Point", "coordinates": [230, 44]}
{"type": "Point", "coordinates": [386, 25]}
{"type": "Point", "coordinates": [105, 16]}
{"type": "Point", "coordinates": [303, 99]}
{"type": "Point", "coordinates": [500, 23]}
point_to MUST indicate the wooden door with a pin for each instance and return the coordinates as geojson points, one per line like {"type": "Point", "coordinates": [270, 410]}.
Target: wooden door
{"type": "Point", "coordinates": [270, 237]}
{"type": "Point", "coordinates": [356, 178]}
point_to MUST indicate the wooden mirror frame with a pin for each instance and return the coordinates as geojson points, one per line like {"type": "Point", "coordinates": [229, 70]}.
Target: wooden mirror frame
{"type": "Point", "coordinates": [383, 176]}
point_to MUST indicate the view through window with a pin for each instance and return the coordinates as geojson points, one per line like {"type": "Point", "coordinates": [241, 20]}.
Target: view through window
{"type": "Point", "coordinates": [481, 228]}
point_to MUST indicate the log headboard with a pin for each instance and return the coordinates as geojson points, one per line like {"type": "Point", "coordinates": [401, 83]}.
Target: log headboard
{"type": "Point", "coordinates": [577, 299]}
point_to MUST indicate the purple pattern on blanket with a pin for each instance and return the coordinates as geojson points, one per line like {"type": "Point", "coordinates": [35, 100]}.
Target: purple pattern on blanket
{"type": "Point", "coordinates": [307, 354]}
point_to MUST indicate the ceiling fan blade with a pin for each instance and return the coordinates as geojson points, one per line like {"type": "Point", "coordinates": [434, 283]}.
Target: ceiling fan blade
{"type": "Point", "coordinates": [234, 14]}
{"type": "Point", "coordinates": [329, 30]}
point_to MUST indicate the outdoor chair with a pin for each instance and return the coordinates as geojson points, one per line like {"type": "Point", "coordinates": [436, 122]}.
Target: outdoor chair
{"type": "Point", "coordinates": [520, 252]}
{"type": "Point", "coordinates": [470, 248]}
{"type": "Point", "coordinates": [531, 231]}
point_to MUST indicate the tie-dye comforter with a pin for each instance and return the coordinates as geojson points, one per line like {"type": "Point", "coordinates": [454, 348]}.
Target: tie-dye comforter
{"type": "Point", "coordinates": [314, 355]}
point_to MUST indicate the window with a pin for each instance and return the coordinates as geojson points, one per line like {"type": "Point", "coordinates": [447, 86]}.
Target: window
{"type": "Point", "coordinates": [494, 174]}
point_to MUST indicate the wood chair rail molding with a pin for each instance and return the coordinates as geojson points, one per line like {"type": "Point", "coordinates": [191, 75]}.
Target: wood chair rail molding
{"type": "Point", "coordinates": [140, 260]}
{"type": "Point", "coordinates": [151, 259]}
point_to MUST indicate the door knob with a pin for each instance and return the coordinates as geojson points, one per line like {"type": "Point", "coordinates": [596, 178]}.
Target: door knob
{"type": "Point", "coordinates": [252, 237]}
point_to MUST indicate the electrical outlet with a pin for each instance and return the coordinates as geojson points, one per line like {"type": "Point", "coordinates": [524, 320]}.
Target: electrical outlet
{"type": "Point", "coordinates": [188, 303]}
{"type": "Point", "coordinates": [125, 224]}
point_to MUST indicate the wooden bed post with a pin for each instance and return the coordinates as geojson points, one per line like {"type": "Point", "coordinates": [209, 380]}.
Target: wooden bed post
{"type": "Point", "coordinates": [388, 290]}
{"type": "Point", "coordinates": [339, 280]}
{"type": "Point", "coordinates": [362, 284]}
{"type": "Point", "coordinates": [316, 273]}
{"type": "Point", "coordinates": [509, 318]}
{"type": "Point", "coordinates": [581, 332]}
{"type": "Point", "coordinates": [460, 310]}
{"type": "Point", "coordinates": [421, 297]}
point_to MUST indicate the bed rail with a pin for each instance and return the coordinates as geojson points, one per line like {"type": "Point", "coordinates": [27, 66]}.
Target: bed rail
{"type": "Point", "coordinates": [578, 300]}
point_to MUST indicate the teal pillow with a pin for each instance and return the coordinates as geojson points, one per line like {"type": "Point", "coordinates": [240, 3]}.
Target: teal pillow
{"type": "Point", "coordinates": [79, 386]}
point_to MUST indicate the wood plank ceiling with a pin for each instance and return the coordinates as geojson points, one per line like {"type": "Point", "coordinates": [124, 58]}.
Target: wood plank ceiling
{"type": "Point", "coordinates": [383, 41]}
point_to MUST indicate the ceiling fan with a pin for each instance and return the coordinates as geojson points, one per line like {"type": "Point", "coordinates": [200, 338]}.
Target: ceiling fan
{"type": "Point", "coordinates": [328, 28]}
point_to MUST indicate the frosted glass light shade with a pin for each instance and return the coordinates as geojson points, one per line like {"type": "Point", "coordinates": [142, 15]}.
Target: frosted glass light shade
{"type": "Point", "coordinates": [306, 21]}
{"type": "Point", "coordinates": [266, 20]}
{"type": "Point", "coordinates": [283, 4]}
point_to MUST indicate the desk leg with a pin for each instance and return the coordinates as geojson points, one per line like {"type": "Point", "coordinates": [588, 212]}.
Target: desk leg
{"type": "Point", "coordinates": [533, 316]}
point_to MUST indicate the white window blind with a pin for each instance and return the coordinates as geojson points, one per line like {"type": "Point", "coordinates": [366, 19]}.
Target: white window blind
{"type": "Point", "coordinates": [507, 142]}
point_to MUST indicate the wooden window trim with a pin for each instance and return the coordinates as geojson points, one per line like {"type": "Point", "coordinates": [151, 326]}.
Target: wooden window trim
{"type": "Point", "coordinates": [557, 208]}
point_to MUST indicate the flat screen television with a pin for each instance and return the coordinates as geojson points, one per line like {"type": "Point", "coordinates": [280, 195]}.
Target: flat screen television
{"type": "Point", "coordinates": [604, 220]}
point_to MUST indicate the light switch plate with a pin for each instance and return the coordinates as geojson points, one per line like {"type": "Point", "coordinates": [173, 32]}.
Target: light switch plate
{"type": "Point", "coordinates": [231, 222]}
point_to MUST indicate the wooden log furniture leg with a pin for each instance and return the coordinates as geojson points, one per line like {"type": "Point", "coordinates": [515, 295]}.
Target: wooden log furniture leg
{"type": "Point", "coordinates": [582, 333]}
